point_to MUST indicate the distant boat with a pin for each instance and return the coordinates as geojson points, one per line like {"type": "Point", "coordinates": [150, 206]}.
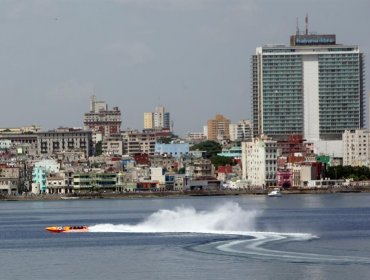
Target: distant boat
{"type": "Point", "coordinates": [69, 197]}
{"type": "Point", "coordinates": [60, 229]}
{"type": "Point", "coordinates": [275, 193]}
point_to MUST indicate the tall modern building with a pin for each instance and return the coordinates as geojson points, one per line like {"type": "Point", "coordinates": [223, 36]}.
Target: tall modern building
{"type": "Point", "coordinates": [314, 87]}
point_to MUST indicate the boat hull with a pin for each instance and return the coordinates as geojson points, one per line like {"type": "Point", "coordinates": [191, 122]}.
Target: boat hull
{"type": "Point", "coordinates": [65, 229]}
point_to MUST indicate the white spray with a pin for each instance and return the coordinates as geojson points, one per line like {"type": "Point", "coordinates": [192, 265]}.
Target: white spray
{"type": "Point", "coordinates": [228, 218]}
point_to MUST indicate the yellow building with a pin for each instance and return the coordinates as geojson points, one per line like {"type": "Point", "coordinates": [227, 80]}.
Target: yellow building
{"type": "Point", "coordinates": [148, 120]}
{"type": "Point", "coordinates": [218, 128]}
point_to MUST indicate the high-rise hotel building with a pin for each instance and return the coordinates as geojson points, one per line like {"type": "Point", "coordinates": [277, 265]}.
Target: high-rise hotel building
{"type": "Point", "coordinates": [314, 87]}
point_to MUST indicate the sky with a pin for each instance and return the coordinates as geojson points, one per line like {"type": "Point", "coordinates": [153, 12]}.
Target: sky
{"type": "Point", "coordinates": [190, 56]}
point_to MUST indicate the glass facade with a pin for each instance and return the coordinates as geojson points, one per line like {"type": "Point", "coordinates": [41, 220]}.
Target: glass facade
{"type": "Point", "coordinates": [278, 84]}
{"type": "Point", "coordinates": [340, 93]}
{"type": "Point", "coordinates": [282, 95]}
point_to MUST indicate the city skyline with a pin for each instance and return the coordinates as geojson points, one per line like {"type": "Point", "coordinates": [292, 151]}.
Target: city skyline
{"type": "Point", "coordinates": [191, 56]}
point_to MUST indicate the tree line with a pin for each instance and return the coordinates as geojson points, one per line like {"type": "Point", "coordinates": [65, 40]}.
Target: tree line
{"type": "Point", "coordinates": [357, 173]}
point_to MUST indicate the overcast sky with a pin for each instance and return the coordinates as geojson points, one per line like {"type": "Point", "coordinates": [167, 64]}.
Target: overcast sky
{"type": "Point", "coordinates": [191, 56]}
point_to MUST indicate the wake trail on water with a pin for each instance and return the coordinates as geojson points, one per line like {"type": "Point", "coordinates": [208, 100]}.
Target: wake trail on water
{"type": "Point", "coordinates": [228, 219]}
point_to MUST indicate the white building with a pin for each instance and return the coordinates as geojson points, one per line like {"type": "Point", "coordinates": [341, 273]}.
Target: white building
{"type": "Point", "coordinates": [356, 147]}
{"type": "Point", "coordinates": [157, 174]}
{"type": "Point", "coordinates": [50, 165]}
{"type": "Point", "coordinates": [242, 131]}
{"type": "Point", "coordinates": [5, 144]}
{"type": "Point", "coordinates": [113, 147]}
{"type": "Point", "coordinates": [195, 137]}
{"type": "Point", "coordinates": [259, 161]}
{"type": "Point", "coordinates": [205, 131]}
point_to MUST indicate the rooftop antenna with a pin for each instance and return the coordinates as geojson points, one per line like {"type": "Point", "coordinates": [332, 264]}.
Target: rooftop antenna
{"type": "Point", "coordinates": [306, 24]}
{"type": "Point", "coordinates": [297, 27]}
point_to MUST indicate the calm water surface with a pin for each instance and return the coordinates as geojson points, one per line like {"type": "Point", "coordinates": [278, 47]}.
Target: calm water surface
{"type": "Point", "coordinates": [251, 237]}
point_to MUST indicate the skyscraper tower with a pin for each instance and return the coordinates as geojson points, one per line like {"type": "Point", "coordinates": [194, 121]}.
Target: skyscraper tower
{"type": "Point", "coordinates": [314, 87]}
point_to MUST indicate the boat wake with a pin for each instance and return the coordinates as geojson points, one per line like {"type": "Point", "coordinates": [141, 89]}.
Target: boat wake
{"type": "Point", "coordinates": [255, 248]}
{"type": "Point", "coordinates": [228, 220]}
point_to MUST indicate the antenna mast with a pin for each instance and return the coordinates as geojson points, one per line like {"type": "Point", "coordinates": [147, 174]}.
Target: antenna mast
{"type": "Point", "coordinates": [306, 24]}
{"type": "Point", "coordinates": [297, 27]}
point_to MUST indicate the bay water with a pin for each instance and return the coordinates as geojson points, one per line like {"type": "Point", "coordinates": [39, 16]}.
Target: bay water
{"type": "Point", "coordinates": [237, 237]}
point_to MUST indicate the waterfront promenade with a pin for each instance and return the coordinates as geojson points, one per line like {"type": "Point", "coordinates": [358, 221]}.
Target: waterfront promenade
{"type": "Point", "coordinates": [173, 194]}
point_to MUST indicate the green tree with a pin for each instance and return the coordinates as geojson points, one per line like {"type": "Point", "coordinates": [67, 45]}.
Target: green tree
{"type": "Point", "coordinates": [346, 172]}
{"type": "Point", "coordinates": [220, 161]}
{"type": "Point", "coordinates": [212, 148]}
{"type": "Point", "coordinates": [99, 148]}
{"type": "Point", "coordinates": [181, 170]}
{"type": "Point", "coordinates": [165, 140]}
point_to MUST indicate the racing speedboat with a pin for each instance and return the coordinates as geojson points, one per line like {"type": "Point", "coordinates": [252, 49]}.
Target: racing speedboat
{"type": "Point", "coordinates": [59, 229]}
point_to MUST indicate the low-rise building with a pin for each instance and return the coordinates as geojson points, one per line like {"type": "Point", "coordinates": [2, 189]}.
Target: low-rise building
{"type": "Point", "coordinates": [157, 174]}
{"type": "Point", "coordinates": [12, 179]}
{"type": "Point", "coordinates": [195, 137]}
{"type": "Point", "coordinates": [202, 183]}
{"type": "Point", "coordinates": [57, 183]}
{"type": "Point", "coordinates": [83, 182]}
{"type": "Point", "coordinates": [200, 168]}
{"type": "Point", "coordinates": [232, 152]}
{"type": "Point", "coordinates": [113, 145]}
{"type": "Point", "coordinates": [179, 182]}
{"type": "Point", "coordinates": [167, 162]}
{"type": "Point", "coordinates": [5, 144]}
{"type": "Point", "coordinates": [172, 149]}
{"type": "Point", "coordinates": [39, 175]}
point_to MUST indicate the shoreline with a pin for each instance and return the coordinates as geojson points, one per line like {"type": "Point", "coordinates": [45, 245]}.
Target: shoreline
{"type": "Point", "coordinates": [175, 194]}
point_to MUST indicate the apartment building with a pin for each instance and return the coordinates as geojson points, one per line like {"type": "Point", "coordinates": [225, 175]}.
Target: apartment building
{"type": "Point", "coordinates": [101, 120]}
{"type": "Point", "coordinates": [259, 161]}
{"type": "Point", "coordinates": [64, 139]}
{"type": "Point", "coordinates": [241, 131]}
{"type": "Point", "coordinates": [218, 128]}
{"type": "Point", "coordinates": [356, 147]}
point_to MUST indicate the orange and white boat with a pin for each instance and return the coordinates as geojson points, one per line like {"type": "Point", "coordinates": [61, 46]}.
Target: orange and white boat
{"type": "Point", "coordinates": [59, 229]}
